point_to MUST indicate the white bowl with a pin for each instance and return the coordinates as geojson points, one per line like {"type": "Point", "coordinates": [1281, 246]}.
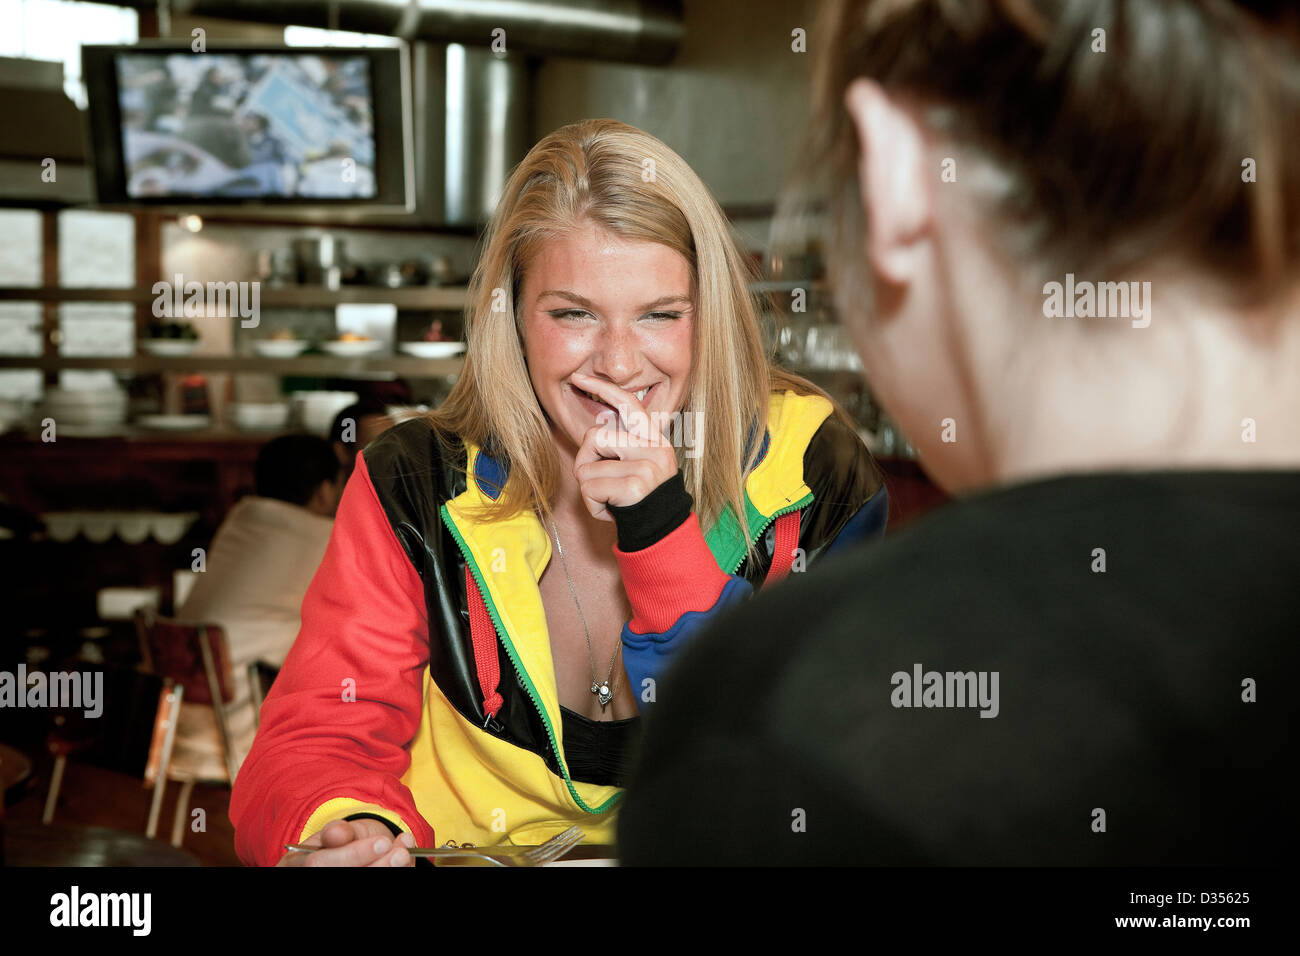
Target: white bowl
{"type": "Point", "coordinates": [280, 348]}
{"type": "Point", "coordinates": [349, 349]}
{"type": "Point", "coordinates": [253, 416]}
{"type": "Point", "coordinates": [316, 409]}
{"type": "Point", "coordinates": [432, 350]}
{"type": "Point", "coordinates": [99, 527]}
{"type": "Point", "coordinates": [133, 528]}
{"type": "Point", "coordinates": [169, 529]}
{"type": "Point", "coordinates": [62, 525]}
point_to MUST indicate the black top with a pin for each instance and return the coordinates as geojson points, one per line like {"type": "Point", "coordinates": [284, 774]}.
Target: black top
{"type": "Point", "coordinates": [599, 751]}
{"type": "Point", "coordinates": [1143, 710]}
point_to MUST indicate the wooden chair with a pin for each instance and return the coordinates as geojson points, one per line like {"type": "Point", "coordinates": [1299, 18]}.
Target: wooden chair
{"type": "Point", "coordinates": [195, 657]}
{"type": "Point", "coordinates": [118, 741]}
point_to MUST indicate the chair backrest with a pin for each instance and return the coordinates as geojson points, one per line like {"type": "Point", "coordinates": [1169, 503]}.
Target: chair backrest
{"type": "Point", "coordinates": [164, 731]}
{"type": "Point", "coordinates": [119, 738]}
{"type": "Point", "coordinates": [174, 650]}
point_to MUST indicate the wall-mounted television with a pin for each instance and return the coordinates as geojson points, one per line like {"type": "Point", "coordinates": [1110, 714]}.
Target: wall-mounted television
{"type": "Point", "coordinates": [241, 125]}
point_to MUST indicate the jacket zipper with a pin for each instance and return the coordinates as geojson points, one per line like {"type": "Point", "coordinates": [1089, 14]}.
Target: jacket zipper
{"type": "Point", "coordinates": [519, 667]}
{"type": "Point", "coordinates": [768, 522]}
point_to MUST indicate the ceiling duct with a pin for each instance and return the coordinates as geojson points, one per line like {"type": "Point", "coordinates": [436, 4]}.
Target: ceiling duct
{"type": "Point", "coordinates": [631, 31]}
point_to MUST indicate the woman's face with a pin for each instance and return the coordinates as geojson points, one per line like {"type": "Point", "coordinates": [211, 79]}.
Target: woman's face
{"type": "Point", "coordinates": [613, 309]}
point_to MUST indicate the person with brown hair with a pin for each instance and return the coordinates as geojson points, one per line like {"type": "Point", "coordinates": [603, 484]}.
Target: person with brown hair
{"type": "Point", "coordinates": [511, 574]}
{"type": "Point", "coordinates": [1064, 236]}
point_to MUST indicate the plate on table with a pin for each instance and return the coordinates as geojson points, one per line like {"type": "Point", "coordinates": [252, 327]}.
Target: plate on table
{"type": "Point", "coordinates": [174, 423]}
{"type": "Point", "coordinates": [432, 350]}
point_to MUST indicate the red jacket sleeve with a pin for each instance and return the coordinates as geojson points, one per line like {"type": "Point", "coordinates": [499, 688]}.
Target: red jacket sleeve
{"type": "Point", "coordinates": [336, 724]}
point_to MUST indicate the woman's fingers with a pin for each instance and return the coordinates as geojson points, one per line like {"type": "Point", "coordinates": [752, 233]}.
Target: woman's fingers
{"type": "Point", "coordinates": [337, 833]}
{"type": "Point", "coordinates": [354, 843]}
{"type": "Point", "coordinates": [361, 852]}
{"type": "Point", "coordinates": [631, 412]}
{"type": "Point", "coordinates": [611, 469]}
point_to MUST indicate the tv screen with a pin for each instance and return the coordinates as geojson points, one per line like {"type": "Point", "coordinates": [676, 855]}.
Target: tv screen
{"type": "Point", "coordinates": [263, 125]}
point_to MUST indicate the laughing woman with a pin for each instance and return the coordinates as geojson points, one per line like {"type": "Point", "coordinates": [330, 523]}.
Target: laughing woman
{"type": "Point", "coordinates": [510, 575]}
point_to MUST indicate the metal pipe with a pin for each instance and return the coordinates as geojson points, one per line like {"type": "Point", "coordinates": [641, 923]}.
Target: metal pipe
{"type": "Point", "coordinates": [635, 31]}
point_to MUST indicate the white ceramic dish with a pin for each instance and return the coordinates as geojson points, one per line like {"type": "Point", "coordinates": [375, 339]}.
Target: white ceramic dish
{"type": "Point", "coordinates": [170, 528]}
{"type": "Point", "coordinates": [432, 350]}
{"type": "Point", "coordinates": [280, 348]}
{"type": "Point", "coordinates": [256, 416]}
{"type": "Point", "coordinates": [350, 349]}
{"type": "Point", "coordinates": [315, 410]}
{"type": "Point", "coordinates": [62, 525]}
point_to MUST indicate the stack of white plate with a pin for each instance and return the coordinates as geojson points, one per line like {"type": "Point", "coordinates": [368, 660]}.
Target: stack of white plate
{"type": "Point", "coordinates": [89, 408]}
{"type": "Point", "coordinates": [259, 416]}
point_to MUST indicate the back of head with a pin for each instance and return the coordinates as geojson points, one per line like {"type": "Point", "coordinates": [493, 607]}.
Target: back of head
{"type": "Point", "coordinates": [1112, 133]}
{"type": "Point", "coordinates": [292, 467]}
{"type": "Point", "coordinates": [347, 426]}
{"type": "Point", "coordinates": [972, 159]}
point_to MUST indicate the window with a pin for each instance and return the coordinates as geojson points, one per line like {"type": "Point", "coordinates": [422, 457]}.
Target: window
{"type": "Point", "coordinates": [56, 29]}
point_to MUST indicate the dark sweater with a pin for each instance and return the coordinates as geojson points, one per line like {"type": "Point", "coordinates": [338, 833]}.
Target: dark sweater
{"type": "Point", "coordinates": [1119, 691]}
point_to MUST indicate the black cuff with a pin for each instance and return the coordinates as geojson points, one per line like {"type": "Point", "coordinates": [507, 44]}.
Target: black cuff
{"type": "Point", "coordinates": [654, 517]}
{"type": "Point", "coordinates": [397, 831]}
{"type": "Point", "coordinates": [423, 861]}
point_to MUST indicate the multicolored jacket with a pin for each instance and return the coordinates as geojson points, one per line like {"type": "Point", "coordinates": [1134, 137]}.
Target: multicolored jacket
{"type": "Point", "coordinates": [421, 688]}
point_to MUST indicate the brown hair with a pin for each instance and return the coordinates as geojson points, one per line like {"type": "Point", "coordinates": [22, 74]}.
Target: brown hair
{"type": "Point", "coordinates": [1108, 159]}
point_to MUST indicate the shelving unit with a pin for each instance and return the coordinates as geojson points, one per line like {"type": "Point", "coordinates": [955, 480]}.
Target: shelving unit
{"type": "Point", "coordinates": [306, 365]}
{"type": "Point", "coordinates": [301, 297]}
{"type": "Point", "coordinates": [432, 298]}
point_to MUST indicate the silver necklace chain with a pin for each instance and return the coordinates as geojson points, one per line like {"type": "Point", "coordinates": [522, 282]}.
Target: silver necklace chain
{"type": "Point", "coordinates": [604, 690]}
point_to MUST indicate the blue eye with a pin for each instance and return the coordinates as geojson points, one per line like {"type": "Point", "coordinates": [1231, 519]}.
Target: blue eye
{"type": "Point", "coordinates": [568, 313]}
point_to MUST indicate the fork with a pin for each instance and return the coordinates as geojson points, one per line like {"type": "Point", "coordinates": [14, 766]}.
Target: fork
{"type": "Point", "coordinates": [552, 849]}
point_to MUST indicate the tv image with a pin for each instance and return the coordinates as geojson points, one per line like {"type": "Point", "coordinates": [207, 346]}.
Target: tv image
{"type": "Point", "coordinates": [282, 125]}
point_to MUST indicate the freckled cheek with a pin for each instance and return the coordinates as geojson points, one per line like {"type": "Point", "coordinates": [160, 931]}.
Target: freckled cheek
{"type": "Point", "coordinates": [670, 350]}
{"type": "Point", "coordinates": [553, 350]}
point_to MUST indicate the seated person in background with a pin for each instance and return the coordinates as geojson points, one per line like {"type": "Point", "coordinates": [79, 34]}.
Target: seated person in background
{"type": "Point", "coordinates": [256, 573]}
{"type": "Point", "coordinates": [1088, 659]}
{"type": "Point", "coordinates": [355, 427]}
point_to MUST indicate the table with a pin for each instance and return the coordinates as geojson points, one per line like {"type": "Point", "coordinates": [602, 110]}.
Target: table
{"type": "Point", "coordinates": [35, 844]}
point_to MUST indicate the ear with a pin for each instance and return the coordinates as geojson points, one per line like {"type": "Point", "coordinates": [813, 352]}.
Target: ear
{"type": "Point", "coordinates": [895, 190]}
{"type": "Point", "coordinates": [318, 503]}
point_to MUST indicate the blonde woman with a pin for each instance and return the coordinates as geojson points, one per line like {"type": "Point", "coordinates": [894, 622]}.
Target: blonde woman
{"type": "Point", "coordinates": [510, 576]}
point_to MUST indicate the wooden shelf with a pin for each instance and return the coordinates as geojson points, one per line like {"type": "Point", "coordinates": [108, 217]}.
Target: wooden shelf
{"type": "Point", "coordinates": [407, 297]}
{"type": "Point", "coordinates": [308, 365]}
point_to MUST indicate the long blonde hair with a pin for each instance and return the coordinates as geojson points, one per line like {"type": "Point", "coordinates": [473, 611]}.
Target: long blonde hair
{"type": "Point", "coordinates": [631, 184]}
